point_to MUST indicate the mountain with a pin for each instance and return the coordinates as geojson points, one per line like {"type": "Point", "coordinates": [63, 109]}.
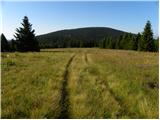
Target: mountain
{"type": "Point", "coordinates": [80, 37]}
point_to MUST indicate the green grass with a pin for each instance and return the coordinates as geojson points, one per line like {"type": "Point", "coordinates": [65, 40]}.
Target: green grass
{"type": "Point", "coordinates": [31, 84]}
{"type": "Point", "coordinates": [98, 83]}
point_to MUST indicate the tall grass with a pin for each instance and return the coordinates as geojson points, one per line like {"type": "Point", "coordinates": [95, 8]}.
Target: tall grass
{"type": "Point", "coordinates": [132, 78]}
{"type": "Point", "coordinates": [99, 83]}
{"type": "Point", "coordinates": [114, 84]}
{"type": "Point", "coordinates": [31, 84]}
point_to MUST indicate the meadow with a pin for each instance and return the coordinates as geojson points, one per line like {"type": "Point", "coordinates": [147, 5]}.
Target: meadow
{"type": "Point", "coordinates": [80, 83]}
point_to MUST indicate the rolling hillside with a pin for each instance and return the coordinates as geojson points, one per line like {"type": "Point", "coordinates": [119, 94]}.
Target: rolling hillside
{"type": "Point", "coordinates": [89, 36]}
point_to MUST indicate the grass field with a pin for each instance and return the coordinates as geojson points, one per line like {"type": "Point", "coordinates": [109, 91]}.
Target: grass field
{"type": "Point", "coordinates": [80, 83]}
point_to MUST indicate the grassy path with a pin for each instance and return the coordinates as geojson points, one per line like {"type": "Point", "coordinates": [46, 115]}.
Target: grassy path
{"type": "Point", "coordinates": [86, 58]}
{"type": "Point", "coordinates": [80, 83]}
{"type": "Point", "coordinates": [101, 87]}
{"type": "Point", "coordinates": [31, 84]}
{"type": "Point", "coordinates": [64, 102]}
{"type": "Point", "coordinates": [122, 111]}
{"type": "Point", "coordinates": [127, 82]}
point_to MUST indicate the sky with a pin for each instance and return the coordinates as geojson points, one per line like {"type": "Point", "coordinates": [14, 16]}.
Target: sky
{"type": "Point", "coordinates": [51, 16]}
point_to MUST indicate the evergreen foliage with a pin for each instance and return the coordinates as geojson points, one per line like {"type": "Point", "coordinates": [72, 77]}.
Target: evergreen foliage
{"type": "Point", "coordinates": [147, 38]}
{"type": "Point", "coordinates": [118, 41]}
{"type": "Point", "coordinates": [13, 45]}
{"type": "Point", "coordinates": [129, 41]}
{"type": "Point", "coordinates": [80, 38]}
{"type": "Point", "coordinates": [25, 37]}
{"type": "Point", "coordinates": [4, 44]}
{"type": "Point", "coordinates": [156, 41]}
{"type": "Point", "coordinates": [138, 40]}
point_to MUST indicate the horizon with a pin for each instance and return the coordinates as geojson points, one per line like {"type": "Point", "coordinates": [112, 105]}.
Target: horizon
{"type": "Point", "coordinates": [84, 28]}
{"type": "Point", "coordinates": [65, 15]}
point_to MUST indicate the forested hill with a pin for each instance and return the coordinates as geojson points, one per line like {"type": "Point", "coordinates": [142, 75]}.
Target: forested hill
{"type": "Point", "coordinates": [80, 37]}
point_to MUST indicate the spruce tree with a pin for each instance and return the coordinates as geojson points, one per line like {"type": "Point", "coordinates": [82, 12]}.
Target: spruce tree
{"type": "Point", "coordinates": [139, 40]}
{"type": "Point", "coordinates": [107, 42]}
{"type": "Point", "coordinates": [123, 43]}
{"type": "Point", "coordinates": [104, 42]}
{"type": "Point", "coordinates": [156, 41]}
{"type": "Point", "coordinates": [4, 44]}
{"type": "Point", "coordinates": [25, 37]}
{"type": "Point", "coordinates": [110, 43]}
{"type": "Point", "coordinates": [132, 43]}
{"type": "Point", "coordinates": [13, 45]}
{"type": "Point", "coordinates": [147, 38]}
{"type": "Point", "coordinates": [118, 41]}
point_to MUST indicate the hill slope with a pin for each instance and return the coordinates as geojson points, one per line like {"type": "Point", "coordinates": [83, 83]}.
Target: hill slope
{"type": "Point", "coordinates": [86, 37]}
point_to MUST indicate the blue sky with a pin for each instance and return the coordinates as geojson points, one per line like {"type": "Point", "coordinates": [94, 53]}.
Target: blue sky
{"type": "Point", "coordinates": [52, 16]}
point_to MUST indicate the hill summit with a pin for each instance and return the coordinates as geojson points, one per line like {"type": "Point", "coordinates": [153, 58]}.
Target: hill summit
{"type": "Point", "coordinates": [88, 36]}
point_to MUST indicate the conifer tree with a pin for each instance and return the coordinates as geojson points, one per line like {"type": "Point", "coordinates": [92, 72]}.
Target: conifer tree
{"type": "Point", "coordinates": [156, 44]}
{"type": "Point", "coordinates": [118, 41]}
{"type": "Point", "coordinates": [104, 43]}
{"type": "Point", "coordinates": [131, 42]}
{"type": "Point", "coordinates": [107, 42]}
{"type": "Point", "coordinates": [25, 37]}
{"type": "Point", "coordinates": [4, 44]}
{"type": "Point", "coordinates": [110, 43]}
{"type": "Point", "coordinates": [147, 38]}
{"type": "Point", "coordinates": [13, 45]}
{"type": "Point", "coordinates": [123, 43]}
{"type": "Point", "coordinates": [139, 40]}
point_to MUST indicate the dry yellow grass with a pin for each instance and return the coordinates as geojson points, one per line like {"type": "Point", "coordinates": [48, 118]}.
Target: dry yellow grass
{"type": "Point", "coordinates": [90, 83]}
{"type": "Point", "coordinates": [31, 84]}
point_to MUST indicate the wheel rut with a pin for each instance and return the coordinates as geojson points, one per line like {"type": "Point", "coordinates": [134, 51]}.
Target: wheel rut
{"type": "Point", "coordinates": [64, 100]}
{"type": "Point", "coordinates": [123, 109]}
{"type": "Point", "coordinates": [86, 58]}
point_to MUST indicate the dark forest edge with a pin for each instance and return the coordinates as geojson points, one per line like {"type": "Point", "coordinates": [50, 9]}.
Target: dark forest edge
{"type": "Point", "coordinates": [25, 40]}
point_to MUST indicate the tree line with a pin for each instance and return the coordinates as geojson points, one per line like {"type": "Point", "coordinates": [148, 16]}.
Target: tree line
{"type": "Point", "coordinates": [25, 40]}
{"type": "Point", "coordinates": [141, 42]}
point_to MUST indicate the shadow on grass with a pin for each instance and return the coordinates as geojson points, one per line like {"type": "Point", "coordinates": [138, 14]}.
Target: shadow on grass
{"type": "Point", "coordinates": [64, 102]}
